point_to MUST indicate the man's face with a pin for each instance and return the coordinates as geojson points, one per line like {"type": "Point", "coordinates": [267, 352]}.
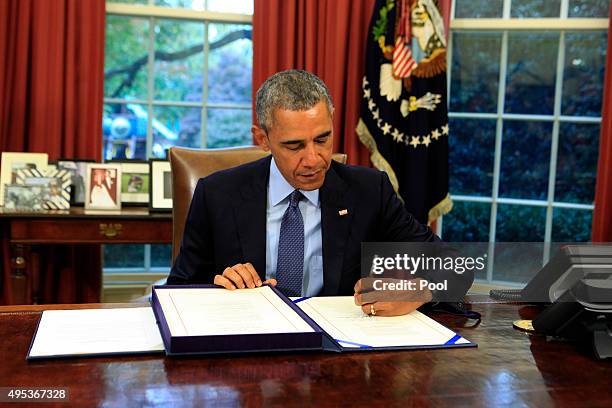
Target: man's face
{"type": "Point", "coordinates": [301, 143]}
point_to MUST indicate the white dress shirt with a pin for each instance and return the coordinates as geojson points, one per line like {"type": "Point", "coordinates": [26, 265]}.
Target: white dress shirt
{"type": "Point", "coordinates": [278, 201]}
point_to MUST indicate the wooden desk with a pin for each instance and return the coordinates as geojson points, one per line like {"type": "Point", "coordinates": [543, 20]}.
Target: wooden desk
{"type": "Point", "coordinates": [76, 226]}
{"type": "Point", "coordinates": [509, 368]}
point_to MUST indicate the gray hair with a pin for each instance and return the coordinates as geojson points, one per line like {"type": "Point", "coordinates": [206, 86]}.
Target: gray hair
{"type": "Point", "coordinates": [294, 90]}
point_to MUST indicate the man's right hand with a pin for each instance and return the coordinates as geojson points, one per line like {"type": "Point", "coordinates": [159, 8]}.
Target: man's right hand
{"type": "Point", "coordinates": [241, 276]}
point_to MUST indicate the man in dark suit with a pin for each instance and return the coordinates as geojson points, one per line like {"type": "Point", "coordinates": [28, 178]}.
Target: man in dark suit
{"type": "Point", "coordinates": [295, 219]}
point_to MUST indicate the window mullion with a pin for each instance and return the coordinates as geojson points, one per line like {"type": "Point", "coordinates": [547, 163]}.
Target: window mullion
{"type": "Point", "coordinates": [554, 146]}
{"type": "Point", "coordinates": [564, 8]}
{"type": "Point", "coordinates": [150, 86]}
{"type": "Point", "coordinates": [150, 90]}
{"type": "Point", "coordinates": [147, 257]}
{"type": "Point", "coordinates": [501, 95]}
{"type": "Point", "coordinates": [204, 112]}
{"type": "Point", "coordinates": [506, 9]}
{"type": "Point", "coordinates": [529, 24]}
{"type": "Point", "coordinates": [449, 63]}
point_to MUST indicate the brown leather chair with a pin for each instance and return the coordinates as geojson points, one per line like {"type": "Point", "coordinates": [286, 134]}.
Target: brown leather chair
{"type": "Point", "coordinates": [189, 165]}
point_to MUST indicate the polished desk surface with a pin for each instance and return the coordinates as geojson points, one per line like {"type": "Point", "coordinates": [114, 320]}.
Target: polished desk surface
{"type": "Point", "coordinates": [508, 368]}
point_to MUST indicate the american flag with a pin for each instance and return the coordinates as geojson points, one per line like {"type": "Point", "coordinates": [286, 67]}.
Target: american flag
{"type": "Point", "coordinates": [403, 63]}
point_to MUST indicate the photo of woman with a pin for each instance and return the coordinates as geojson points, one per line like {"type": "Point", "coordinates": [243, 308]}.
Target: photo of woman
{"type": "Point", "coordinates": [103, 186]}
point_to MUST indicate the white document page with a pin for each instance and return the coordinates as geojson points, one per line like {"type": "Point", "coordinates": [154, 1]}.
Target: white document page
{"type": "Point", "coordinates": [96, 331]}
{"type": "Point", "coordinates": [350, 327]}
{"type": "Point", "coordinates": [211, 311]}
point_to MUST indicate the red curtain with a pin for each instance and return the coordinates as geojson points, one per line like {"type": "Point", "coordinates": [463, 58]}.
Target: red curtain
{"type": "Point", "coordinates": [325, 37]}
{"type": "Point", "coordinates": [51, 77]}
{"type": "Point", "coordinates": [602, 217]}
{"type": "Point", "coordinates": [51, 100]}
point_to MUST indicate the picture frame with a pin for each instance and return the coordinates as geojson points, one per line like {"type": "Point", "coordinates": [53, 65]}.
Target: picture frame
{"type": "Point", "coordinates": [135, 182]}
{"type": "Point", "coordinates": [78, 170]}
{"type": "Point", "coordinates": [26, 198]}
{"type": "Point", "coordinates": [13, 161]}
{"type": "Point", "coordinates": [57, 182]}
{"type": "Point", "coordinates": [161, 185]}
{"type": "Point", "coordinates": [103, 187]}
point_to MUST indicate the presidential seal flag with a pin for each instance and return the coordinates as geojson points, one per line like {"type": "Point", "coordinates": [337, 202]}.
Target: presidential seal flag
{"type": "Point", "coordinates": [404, 118]}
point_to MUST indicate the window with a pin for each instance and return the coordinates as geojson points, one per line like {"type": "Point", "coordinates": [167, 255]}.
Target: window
{"type": "Point", "coordinates": [525, 93]}
{"type": "Point", "coordinates": [177, 73]}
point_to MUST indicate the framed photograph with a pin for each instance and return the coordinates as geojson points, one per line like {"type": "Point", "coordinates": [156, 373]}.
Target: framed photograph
{"type": "Point", "coordinates": [161, 186]}
{"type": "Point", "coordinates": [56, 181]}
{"type": "Point", "coordinates": [78, 171]}
{"type": "Point", "coordinates": [21, 197]}
{"type": "Point", "coordinates": [103, 187]}
{"type": "Point", "coordinates": [11, 162]}
{"type": "Point", "coordinates": [135, 175]}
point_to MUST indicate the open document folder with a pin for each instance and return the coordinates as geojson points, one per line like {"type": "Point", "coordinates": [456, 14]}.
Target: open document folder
{"type": "Point", "coordinates": [348, 326]}
{"type": "Point", "coordinates": [200, 319]}
{"type": "Point", "coordinates": [91, 332]}
{"type": "Point", "coordinates": [203, 319]}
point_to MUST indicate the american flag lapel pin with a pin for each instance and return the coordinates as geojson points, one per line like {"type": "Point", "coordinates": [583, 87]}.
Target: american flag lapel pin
{"type": "Point", "coordinates": [343, 212]}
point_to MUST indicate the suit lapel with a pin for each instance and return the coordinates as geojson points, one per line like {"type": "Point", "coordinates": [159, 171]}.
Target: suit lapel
{"type": "Point", "coordinates": [336, 217]}
{"type": "Point", "coordinates": [250, 212]}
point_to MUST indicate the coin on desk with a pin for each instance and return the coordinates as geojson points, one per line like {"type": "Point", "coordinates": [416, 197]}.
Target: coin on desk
{"type": "Point", "coordinates": [524, 325]}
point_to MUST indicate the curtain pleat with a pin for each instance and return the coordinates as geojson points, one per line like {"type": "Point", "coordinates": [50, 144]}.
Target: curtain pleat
{"type": "Point", "coordinates": [602, 216]}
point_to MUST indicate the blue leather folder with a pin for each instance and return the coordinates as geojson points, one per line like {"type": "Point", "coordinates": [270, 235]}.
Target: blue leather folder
{"type": "Point", "coordinates": [317, 340]}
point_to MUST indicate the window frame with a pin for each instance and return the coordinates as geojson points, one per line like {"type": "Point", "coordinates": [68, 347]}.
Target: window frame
{"type": "Point", "coordinates": [504, 26]}
{"type": "Point", "coordinates": [153, 13]}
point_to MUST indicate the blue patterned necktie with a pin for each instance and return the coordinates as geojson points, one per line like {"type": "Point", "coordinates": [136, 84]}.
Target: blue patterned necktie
{"type": "Point", "coordinates": [290, 263]}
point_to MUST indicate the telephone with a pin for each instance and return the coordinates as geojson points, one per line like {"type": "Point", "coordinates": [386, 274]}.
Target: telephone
{"type": "Point", "coordinates": [577, 283]}
{"type": "Point", "coordinates": [582, 313]}
{"type": "Point", "coordinates": [564, 270]}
